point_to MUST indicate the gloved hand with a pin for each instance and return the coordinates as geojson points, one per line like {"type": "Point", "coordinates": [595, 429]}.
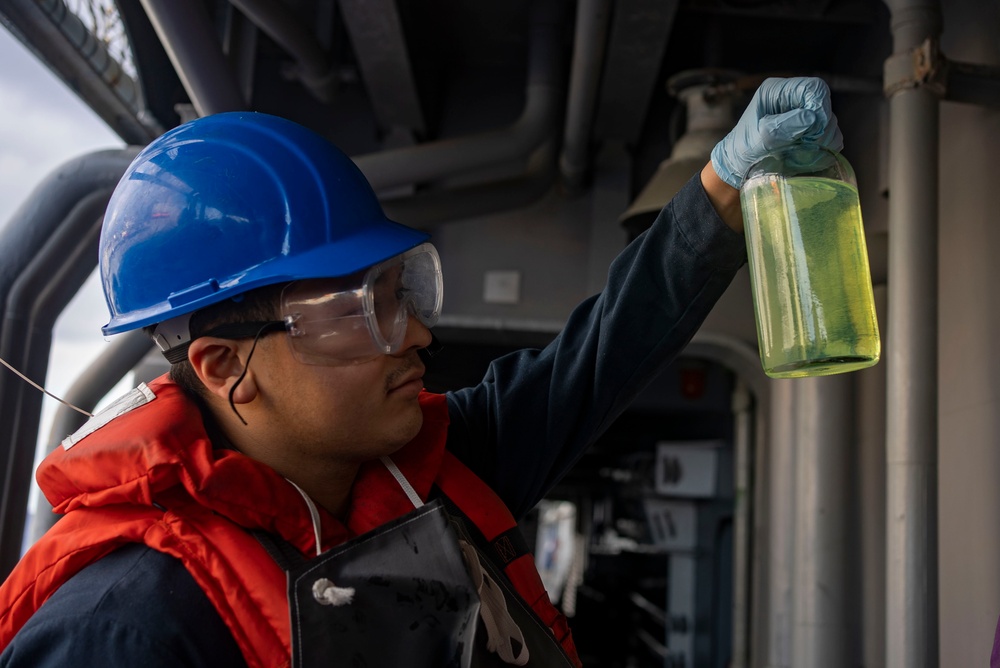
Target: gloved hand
{"type": "Point", "coordinates": [782, 112]}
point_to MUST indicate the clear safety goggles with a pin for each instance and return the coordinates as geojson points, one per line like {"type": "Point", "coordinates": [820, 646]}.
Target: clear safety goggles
{"type": "Point", "coordinates": [341, 320]}
{"type": "Point", "coordinates": [338, 321]}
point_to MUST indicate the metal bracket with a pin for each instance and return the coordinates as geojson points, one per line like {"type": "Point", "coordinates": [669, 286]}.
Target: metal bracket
{"type": "Point", "coordinates": [922, 67]}
{"type": "Point", "coordinates": [926, 67]}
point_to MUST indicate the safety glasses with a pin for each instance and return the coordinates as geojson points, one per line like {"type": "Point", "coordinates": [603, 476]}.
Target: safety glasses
{"type": "Point", "coordinates": [338, 321]}
{"type": "Point", "coordinates": [333, 321]}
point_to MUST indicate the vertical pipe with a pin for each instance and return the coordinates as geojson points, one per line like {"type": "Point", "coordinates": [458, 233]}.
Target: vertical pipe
{"type": "Point", "coordinates": [911, 406]}
{"type": "Point", "coordinates": [871, 495]}
{"type": "Point", "coordinates": [51, 211]}
{"type": "Point", "coordinates": [781, 530]}
{"type": "Point", "coordinates": [743, 441]}
{"type": "Point", "coordinates": [590, 35]}
{"type": "Point", "coordinates": [822, 633]}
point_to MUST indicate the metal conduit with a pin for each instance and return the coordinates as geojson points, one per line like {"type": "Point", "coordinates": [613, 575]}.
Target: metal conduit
{"type": "Point", "coordinates": [822, 632]}
{"type": "Point", "coordinates": [77, 56]}
{"type": "Point", "coordinates": [94, 52]}
{"type": "Point", "coordinates": [188, 37]}
{"type": "Point", "coordinates": [780, 481]}
{"type": "Point", "coordinates": [911, 428]}
{"type": "Point", "coordinates": [743, 462]}
{"type": "Point", "coordinates": [42, 265]}
{"type": "Point", "coordinates": [753, 401]}
{"type": "Point", "coordinates": [314, 68]}
{"type": "Point", "coordinates": [186, 33]}
{"type": "Point", "coordinates": [435, 160]}
{"type": "Point", "coordinates": [54, 276]}
{"type": "Point", "coordinates": [35, 300]}
{"type": "Point", "coordinates": [591, 32]}
{"type": "Point", "coordinates": [434, 206]}
{"type": "Point", "coordinates": [871, 417]}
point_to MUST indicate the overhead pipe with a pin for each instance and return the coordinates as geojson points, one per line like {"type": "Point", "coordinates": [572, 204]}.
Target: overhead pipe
{"type": "Point", "coordinates": [529, 138]}
{"type": "Point", "coordinates": [912, 344]}
{"type": "Point", "coordinates": [428, 207]}
{"type": "Point", "coordinates": [590, 36]}
{"type": "Point", "coordinates": [72, 51]}
{"type": "Point", "coordinates": [188, 36]}
{"type": "Point", "coordinates": [537, 123]}
{"type": "Point", "coordinates": [185, 30]}
{"type": "Point", "coordinates": [313, 66]}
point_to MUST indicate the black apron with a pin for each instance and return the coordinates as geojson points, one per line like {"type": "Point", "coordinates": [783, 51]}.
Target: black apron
{"type": "Point", "coordinates": [401, 595]}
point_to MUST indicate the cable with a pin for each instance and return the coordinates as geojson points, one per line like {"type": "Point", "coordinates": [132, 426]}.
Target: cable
{"type": "Point", "coordinates": [42, 389]}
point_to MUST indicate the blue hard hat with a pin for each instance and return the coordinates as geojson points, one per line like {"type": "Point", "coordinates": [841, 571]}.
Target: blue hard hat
{"type": "Point", "coordinates": [227, 203]}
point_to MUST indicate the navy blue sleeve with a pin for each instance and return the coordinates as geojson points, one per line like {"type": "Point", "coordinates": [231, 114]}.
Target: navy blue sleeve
{"type": "Point", "coordinates": [135, 607]}
{"type": "Point", "coordinates": [536, 411]}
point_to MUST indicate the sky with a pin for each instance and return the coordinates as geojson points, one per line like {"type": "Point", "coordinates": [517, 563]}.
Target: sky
{"type": "Point", "coordinates": [43, 125]}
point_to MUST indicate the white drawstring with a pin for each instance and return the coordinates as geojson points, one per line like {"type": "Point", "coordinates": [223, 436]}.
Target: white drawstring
{"type": "Point", "coordinates": [323, 590]}
{"type": "Point", "coordinates": [313, 515]}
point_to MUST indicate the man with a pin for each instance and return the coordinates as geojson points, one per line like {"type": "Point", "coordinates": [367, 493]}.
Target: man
{"type": "Point", "coordinates": [291, 494]}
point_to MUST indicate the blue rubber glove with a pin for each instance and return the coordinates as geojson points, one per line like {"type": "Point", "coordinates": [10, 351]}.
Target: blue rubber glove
{"type": "Point", "coordinates": [782, 112]}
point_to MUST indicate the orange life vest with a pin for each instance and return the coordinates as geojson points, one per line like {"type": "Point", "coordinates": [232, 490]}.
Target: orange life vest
{"type": "Point", "coordinates": [150, 475]}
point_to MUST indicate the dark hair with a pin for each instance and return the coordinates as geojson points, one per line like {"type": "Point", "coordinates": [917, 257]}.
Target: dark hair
{"type": "Point", "coordinates": [259, 304]}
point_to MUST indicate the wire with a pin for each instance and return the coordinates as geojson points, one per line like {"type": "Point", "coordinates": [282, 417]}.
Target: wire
{"type": "Point", "coordinates": [39, 387]}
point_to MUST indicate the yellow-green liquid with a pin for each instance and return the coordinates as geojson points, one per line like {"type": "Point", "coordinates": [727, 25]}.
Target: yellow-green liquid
{"type": "Point", "coordinates": [809, 274]}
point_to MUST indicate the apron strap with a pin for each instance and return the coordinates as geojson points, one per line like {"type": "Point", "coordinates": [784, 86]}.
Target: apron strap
{"type": "Point", "coordinates": [284, 553]}
{"type": "Point", "coordinates": [411, 493]}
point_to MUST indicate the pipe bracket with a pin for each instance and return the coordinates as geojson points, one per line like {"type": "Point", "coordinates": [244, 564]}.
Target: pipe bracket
{"type": "Point", "coordinates": [921, 67]}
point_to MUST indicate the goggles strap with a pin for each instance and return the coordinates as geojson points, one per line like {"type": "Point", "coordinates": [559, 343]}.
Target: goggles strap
{"type": "Point", "coordinates": [263, 329]}
{"type": "Point", "coordinates": [235, 330]}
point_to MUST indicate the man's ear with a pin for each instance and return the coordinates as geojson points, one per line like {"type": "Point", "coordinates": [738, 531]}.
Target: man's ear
{"type": "Point", "coordinates": [219, 364]}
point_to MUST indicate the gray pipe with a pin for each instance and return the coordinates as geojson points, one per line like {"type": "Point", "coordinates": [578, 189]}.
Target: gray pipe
{"type": "Point", "coordinates": [781, 503]}
{"type": "Point", "coordinates": [753, 404]}
{"type": "Point", "coordinates": [743, 448]}
{"type": "Point", "coordinates": [71, 50]}
{"type": "Point", "coordinates": [911, 428]}
{"type": "Point", "coordinates": [185, 29]}
{"type": "Point", "coordinates": [871, 494]}
{"type": "Point", "coordinates": [94, 52]}
{"type": "Point", "coordinates": [435, 160]}
{"type": "Point", "coordinates": [429, 207]}
{"type": "Point", "coordinates": [592, 18]}
{"type": "Point", "coordinates": [36, 298]}
{"type": "Point", "coordinates": [314, 67]}
{"type": "Point", "coordinates": [51, 212]}
{"type": "Point", "coordinates": [823, 633]}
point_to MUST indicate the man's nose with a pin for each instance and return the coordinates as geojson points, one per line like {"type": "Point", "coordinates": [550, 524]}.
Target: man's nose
{"type": "Point", "coordinates": [418, 336]}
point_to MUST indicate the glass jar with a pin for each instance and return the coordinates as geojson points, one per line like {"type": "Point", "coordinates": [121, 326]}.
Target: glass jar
{"type": "Point", "coordinates": [808, 261]}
